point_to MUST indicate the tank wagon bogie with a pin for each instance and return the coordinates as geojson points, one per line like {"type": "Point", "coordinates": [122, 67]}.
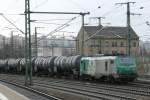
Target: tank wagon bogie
{"type": "Point", "coordinates": [99, 68]}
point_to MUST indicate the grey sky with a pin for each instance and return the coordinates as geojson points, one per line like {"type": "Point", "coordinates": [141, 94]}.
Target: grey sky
{"type": "Point", "coordinates": [115, 14]}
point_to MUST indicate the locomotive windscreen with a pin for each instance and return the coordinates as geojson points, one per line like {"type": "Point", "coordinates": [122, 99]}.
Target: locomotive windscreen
{"type": "Point", "coordinates": [126, 61]}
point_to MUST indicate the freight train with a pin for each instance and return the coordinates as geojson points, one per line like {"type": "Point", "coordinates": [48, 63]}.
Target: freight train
{"type": "Point", "coordinates": [111, 68]}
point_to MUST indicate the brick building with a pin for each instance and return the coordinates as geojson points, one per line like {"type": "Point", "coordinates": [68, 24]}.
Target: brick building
{"type": "Point", "coordinates": [106, 40]}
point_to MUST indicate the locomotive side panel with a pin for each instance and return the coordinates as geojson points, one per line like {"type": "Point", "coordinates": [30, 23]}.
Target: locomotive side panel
{"type": "Point", "coordinates": [97, 66]}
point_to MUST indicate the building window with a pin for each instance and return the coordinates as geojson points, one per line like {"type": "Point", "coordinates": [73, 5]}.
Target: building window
{"type": "Point", "coordinates": [113, 44]}
{"type": "Point", "coordinates": [107, 44]}
{"type": "Point", "coordinates": [121, 44]}
{"type": "Point", "coordinates": [134, 44]}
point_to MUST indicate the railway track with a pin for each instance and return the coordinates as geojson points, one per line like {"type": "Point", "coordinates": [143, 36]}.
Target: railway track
{"type": "Point", "coordinates": [30, 89]}
{"type": "Point", "coordinates": [130, 89]}
{"type": "Point", "coordinates": [114, 88]}
{"type": "Point", "coordinates": [97, 91]}
{"type": "Point", "coordinates": [92, 94]}
{"type": "Point", "coordinates": [140, 84]}
{"type": "Point", "coordinates": [124, 91]}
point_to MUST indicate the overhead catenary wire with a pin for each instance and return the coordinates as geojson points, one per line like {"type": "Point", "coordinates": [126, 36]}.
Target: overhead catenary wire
{"type": "Point", "coordinates": [47, 23]}
{"type": "Point", "coordinates": [110, 11]}
{"type": "Point", "coordinates": [143, 2]}
{"type": "Point", "coordinates": [50, 19]}
{"type": "Point", "coordinates": [95, 33]}
{"type": "Point", "coordinates": [103, 35]}
{"type": "Point", "coordinates": [11, 23]}
{"type": "Point", "coordinates": [3, 14]}
{"type": "Point", "coordinates": [106, 13]}
{"type": "Point", "coordinates": [20, 13]}
{"type": "Point", "coordinates": [59, 28]}
{"type": "Point", "coordinates": [11, 14]}
{"type": "Point", "coordinates": [10, 6]}
{"type": "Point", "coordinates": [139, 24]}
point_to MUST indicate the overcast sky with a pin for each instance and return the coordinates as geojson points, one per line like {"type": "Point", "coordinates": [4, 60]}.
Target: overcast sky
{"type": "Point", "coordinates": [114, 14]}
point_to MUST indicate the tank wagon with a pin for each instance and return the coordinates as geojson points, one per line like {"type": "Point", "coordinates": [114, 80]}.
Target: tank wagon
{"type": "Point", "coordinates": [103, 68]}
{"type": "Point", "coordinates": [3, 65]}
{"type": "Point", "coordinates": [12, 65]}
{"type": "Point", "coordinates": [67, 66]}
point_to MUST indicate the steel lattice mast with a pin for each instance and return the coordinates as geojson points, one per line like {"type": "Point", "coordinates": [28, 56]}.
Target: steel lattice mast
{"type": "Point", "coordinates": [28, 76]}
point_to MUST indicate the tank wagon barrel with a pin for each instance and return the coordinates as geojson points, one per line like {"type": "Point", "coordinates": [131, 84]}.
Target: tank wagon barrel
{"type": "Point", "coordinates": [12, 65]}
{"type": "Point", "coordinates": [48, 63]}
{"type": "Point", "coordinates": [22, 66]}
{"type": "Point", "coordinates": [38, 64]}
{"type": "Point", "coordinates": [17, 63]}
{"type": "Point", "coordinates": [65, 65]}
{"type": "Point", "coordinates": [3, 65]}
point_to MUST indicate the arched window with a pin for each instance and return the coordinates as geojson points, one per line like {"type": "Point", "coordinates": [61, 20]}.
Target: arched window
{"type": "Point", "coordinates": [121, 44]}
{"type": "Point", "coordinates": [134, 44]}
{"type": "Point", "coordinates": [107, 44]}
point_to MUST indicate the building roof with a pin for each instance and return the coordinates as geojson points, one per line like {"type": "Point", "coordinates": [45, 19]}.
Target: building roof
{"type": "Point", "coordinates": [109, 32]}
{"type": "Point", "coordinates": [92, 29]}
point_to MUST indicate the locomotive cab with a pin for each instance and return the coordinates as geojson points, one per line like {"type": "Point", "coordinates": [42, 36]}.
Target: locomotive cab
{"type": "Point", "coordinates": [126, 68]}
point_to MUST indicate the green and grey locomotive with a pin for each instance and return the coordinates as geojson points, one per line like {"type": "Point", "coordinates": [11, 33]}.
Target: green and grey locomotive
{"type": "Point", "coordinates": [110, 68]}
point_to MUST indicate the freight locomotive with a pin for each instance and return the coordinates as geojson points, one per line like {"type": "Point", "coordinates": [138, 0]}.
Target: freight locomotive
{"type": "Point", "coordinates": [111, 68]}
